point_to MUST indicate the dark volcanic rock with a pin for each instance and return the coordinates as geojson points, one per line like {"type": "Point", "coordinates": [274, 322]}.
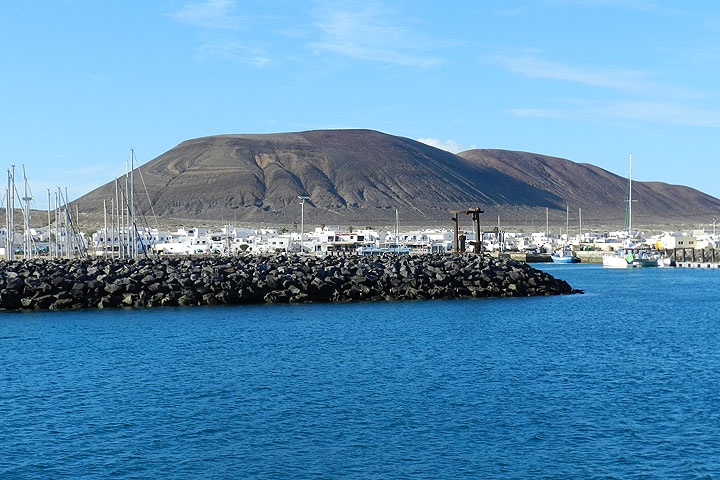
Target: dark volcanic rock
{"type": "Point", "coordinates": [264, 279]}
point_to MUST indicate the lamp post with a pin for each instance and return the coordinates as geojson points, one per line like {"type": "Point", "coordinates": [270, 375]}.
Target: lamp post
{"type": "Point", "coordinates": [302, 219]}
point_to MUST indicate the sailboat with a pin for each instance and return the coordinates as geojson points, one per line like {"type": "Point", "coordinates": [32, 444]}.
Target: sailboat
{"type": "Point", "coordinates": [629, 257]}
{"type": "Point", "coordinates": [565, 254]}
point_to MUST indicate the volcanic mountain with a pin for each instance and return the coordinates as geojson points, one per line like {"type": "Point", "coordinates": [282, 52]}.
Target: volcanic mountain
{"type": "Point", "coordinates": [359, 177]}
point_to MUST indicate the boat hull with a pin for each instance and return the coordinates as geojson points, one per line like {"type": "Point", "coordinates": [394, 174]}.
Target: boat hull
{"type": "Point", "coordinates": [615, 261]}
{"type": "Point", "coordinates": [645, 262]}
{"type": "Point", "coordinates": [564, 259]}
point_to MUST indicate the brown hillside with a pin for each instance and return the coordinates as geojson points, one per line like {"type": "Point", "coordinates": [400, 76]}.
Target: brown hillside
{"type": "Point", "coordinates": [599, 193]}
{"type": "Point", "coordinates": [359, 177]}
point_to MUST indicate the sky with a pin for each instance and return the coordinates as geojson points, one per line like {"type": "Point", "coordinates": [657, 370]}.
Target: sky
{"type": "Point", "coordinates": [84, 81]}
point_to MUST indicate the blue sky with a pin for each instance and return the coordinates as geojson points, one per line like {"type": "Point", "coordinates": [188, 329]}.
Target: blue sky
{"type": "Point", "coordinates": [82, 81]}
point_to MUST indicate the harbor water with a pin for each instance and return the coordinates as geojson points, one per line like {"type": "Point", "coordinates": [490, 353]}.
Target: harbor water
{"type": "Point", "coordinates": [621, 382]}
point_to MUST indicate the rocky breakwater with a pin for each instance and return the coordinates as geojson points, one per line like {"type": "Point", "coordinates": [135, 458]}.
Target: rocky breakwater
{"type": "Point", "coordinates": [168, 281]}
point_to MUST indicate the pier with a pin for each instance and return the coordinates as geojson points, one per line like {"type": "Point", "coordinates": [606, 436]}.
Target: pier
{"type": "Point", "coordinates": [696, 257]}
{"type": "Point", "coordinates": [697, 265]}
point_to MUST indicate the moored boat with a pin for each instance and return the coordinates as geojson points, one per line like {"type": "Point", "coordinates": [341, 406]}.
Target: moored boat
{"type": "Point", "coordinates": [664, 262]}
{"type": "Point", "coordinates": [619, 260]}
{"type": "Point", "coordinates": [564, 255]}
{"type": "Point", "coordinates": [631, 258]}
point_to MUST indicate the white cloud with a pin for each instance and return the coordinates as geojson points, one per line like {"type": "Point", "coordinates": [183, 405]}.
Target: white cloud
{"type": "Point", "coordinates": [628, 81]}
{"type": "Point", "coordinates": [448, 145]}
{"type": "Point", "coordinates": [212, 14]}
{"type": "Point", "coordinates": [643, 5]}
{"type": "Point", "coordinates": [221, 15]}
{"type": "Point", "coordinates": [371, 31]}
{"type": "Point", "coordinates": [233, 51]}
{"type": "Point", "coordinates": [534, 67]}
{"type": "Point", "coordinates": [636, 111]}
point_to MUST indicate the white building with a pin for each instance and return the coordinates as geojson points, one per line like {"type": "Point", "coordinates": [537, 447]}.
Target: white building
{"type": "Point", "coordinates": [670, 241]}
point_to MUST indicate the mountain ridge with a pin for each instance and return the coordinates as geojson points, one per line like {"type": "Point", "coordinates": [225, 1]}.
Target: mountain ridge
{"type": "Point", "coordinates": [361, 176]}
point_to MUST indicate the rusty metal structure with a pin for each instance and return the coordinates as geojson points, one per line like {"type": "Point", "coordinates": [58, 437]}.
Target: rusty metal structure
{"type": "Point", "coordinates": [475, 212]}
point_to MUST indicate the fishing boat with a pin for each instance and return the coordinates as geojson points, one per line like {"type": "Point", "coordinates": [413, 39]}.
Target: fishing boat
{"type": "Point", "coordinates": [619, 260]}
{"type": "Point", "coordinates": [564, 255]}
{"type": "Point", "coordinates": [627, 258]}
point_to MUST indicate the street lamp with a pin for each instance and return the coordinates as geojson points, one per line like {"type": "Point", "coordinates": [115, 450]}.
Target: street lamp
{"type": "Point", "coordinates": [302, 219]}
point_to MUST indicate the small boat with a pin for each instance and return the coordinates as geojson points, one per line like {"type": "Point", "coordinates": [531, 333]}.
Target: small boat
{"type": "Point", "coordinates": [620, 260]}
{"type": "Point", "coordinates": [665, 262]}
{"type": "Point", "coordinates": [564, 255]}
{"type": "Point", "coordinates": [646, 259]}
{"type": "Point", "coordinates": [630, 258]}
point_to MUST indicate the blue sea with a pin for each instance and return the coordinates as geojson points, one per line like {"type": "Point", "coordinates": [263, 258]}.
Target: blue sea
{"type": "Point", "coordinates": [621, 382]}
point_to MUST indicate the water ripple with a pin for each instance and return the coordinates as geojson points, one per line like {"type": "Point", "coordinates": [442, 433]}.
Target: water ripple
{"type": "Point", "coordinates": [611, 384]}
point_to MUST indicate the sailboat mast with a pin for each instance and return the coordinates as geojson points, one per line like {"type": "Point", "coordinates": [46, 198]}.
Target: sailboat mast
{"type": "Point", "coordinates": [397, 230]}
{"type": "Point", "coordinates": [28, 236]}
{"type": "Point", "coordinates": [10, 215]}
{"type": "Point", "coordinates": [126, 209]}
{"type": "Point", "coordinates": [69, 227]}
{"type": "Point", "coordinates": [12, 212]}
{"type": "Point", "coordinates": [133, 234]}
{"type": "Point", "coordinates": [117, 219]}
{"type": "Point", "coordinates": [112, 227]}
{"type": "Point", "coordinates": [58, 245]}
{"type": "Point", "coordinates": [567, 223]}
{"type": "Point", "coordinates": [50, 250]}
{"type": "Point", "coordinates": [580, 217]}
{"type": "Point", "coordinates": [8, 226]}
{"type": "Point", "coordinates": [630, 199]}
{"type": "Point", "coordinates": [123, 222]}
{"type": "Point", "coordinates": [59, 221]}
{"type": "Point", "coordinates": [105, 232]}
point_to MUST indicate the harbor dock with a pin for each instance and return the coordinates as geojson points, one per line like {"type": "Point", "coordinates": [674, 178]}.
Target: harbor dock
{"type": "Point", "coordinates": [697, 265]}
